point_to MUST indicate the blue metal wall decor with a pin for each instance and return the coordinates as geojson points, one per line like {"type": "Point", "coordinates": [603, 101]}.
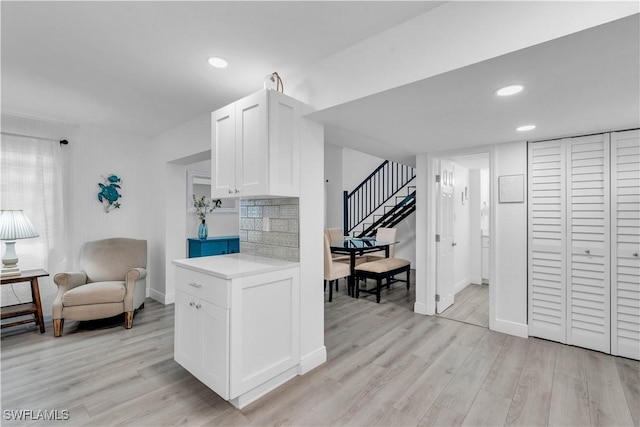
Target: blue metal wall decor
{"type": "Point", "coordinates": [109, 194]}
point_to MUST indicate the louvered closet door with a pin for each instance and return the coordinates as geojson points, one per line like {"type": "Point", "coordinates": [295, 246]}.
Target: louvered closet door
{"type": "Point", "coordinates": [547, 292]}
{"type": "Point", "coordinates": [588, 243]}
{"type": "Point", "coordinates": [625, 245]}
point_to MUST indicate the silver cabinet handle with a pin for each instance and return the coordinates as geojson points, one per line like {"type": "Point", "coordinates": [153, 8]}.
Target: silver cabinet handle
{"type": "Point", "coordinates": [191, 304]}
{"type": "Point", "coordinates": [195, 285]}
{"type": "Point", "coordinates": [587, 252]}
{"type": "Point", "coordinates": [454, 244]}
{"type": "Point", "coordinates": [236, 191]}
{"type": "Point", "coordinates": [198, 306]}
{"type": "Point", "coordinates": [230, 192]}
{"type": "Point", "coordinates": [635, 254]}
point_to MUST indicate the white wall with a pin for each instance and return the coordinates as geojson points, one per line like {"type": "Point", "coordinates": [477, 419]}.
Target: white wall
{"type": "Point", "coordinates": [356, 166]}
{"type": "Point", "coordinates": [173, 151]}
{"type": "Point", "coordinates": [312, 349]}
{"type": "Point", "coordinates": [509, 245]}
{"type": "Point", "coordinates": [475, 244]}
{"type": "Point", "coordinates": [93, 153]}
{"type": "Point", "coordinates": [333, 185]}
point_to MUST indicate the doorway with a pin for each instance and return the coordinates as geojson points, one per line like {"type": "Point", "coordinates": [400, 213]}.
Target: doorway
{"type": "Point", "coordinates": [463, 238]}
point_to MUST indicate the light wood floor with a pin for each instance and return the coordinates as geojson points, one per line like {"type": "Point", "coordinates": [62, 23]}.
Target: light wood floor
{"type": "Point", "coordinates": [471, 305]}
{"type": "Point", "coordinates": [387, 366]}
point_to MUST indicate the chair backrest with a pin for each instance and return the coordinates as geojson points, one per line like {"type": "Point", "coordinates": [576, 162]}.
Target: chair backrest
{"type": "Point", "coordinates": [328, 259]}
{"type": "Point", "coordinates": [110, 259]}
{"type": "Point", "coordinates": [388, 235]}
{"type": "Point", "coordinates": [335, 233]}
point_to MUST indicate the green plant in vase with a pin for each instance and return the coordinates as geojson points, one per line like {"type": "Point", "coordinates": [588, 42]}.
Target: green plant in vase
{"type": "Point", "coordinates": [203, 207]}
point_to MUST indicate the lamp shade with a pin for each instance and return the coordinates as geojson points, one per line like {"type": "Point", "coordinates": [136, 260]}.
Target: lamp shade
{"type": "Point", "coordinates": [15, 225]}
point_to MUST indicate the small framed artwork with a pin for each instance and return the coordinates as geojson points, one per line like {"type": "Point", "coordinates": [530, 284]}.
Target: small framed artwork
{"type": "Point", "coordinates": [511, 189]}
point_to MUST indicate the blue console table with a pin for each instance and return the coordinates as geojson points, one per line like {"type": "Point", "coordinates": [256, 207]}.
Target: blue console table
{"type": "Point", "coordinates": [214, 246]}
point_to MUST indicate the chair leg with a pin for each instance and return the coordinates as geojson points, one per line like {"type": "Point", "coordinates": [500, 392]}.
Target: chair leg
{"type": "Point", "coordinates": [58, 324]}
{"type": "Point", "coordinates": [337, 280]}
{"type": "Point", "coordinates": [357, 288]}
{"type": "Point", "coordinates": [330, 290]}
{"type": "Point", "coordinates": [408, 278]}
{"type": "Point", "coordinates": [378, 286]}
{"type": "Point", "coordinates": [128, 319]}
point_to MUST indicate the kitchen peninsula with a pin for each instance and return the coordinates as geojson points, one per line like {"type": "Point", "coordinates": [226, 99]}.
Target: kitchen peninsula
{"type": "Point", "coordinates": [237, 323]}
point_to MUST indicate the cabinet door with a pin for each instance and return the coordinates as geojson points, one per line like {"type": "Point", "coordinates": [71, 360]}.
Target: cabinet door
{"type": "Point", "coordinates": [547, 248]}
{"type": "Point", "coordinates": [251, 145]}
{"type": "Point", "coordinates": [187, 335]}
{"type": "Point", "coordinates": [201, 343]}
{"type": "Point", "coordinates": [215, 351]}
{"type": "Point", "coordinates": [223, 152]}
{"type": "Point", "coordinates": [588, 245]}
{"type": "Point", "coordinates": [625, 244]}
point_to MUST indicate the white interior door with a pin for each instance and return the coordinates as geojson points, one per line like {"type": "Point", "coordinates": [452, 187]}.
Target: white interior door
{"type": "Point", "coordinates": [445, 261]}
{"type": "Point", "coordinates": [625, 244]}
{"type": "Point", "coordinates": [588, 245]}
{"type": "Point", "coordinates": [547, 248]}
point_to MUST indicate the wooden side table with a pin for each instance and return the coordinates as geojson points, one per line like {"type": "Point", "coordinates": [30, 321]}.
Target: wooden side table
{"type": "Point", "coordinates": [34, 307]}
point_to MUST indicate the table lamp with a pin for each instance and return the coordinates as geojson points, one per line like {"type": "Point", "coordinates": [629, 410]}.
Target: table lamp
{"type": "Point", "coordinates": [14, 225]}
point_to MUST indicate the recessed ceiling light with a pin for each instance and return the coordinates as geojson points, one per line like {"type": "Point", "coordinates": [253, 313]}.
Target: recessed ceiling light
{"type": "Point", "coordinates": [509, 90]}
{"type": "Point", "coordinates": [525, 128]}
{"type": "Point", "coordinates": [217, 62]}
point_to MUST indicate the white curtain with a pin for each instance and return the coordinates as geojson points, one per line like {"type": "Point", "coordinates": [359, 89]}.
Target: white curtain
{"type": "Point", "coordinates": [32, 179]}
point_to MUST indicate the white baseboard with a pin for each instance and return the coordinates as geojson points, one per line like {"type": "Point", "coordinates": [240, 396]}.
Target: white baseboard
{"type": "Point", "coordinates": [256, 393]}
{"type": "Point", "coordinates": [511, 328]}
{"type": "Point", "coordinates": [312, 360]}
{"type": "Point", "coordinates": [461, 285]}
{"type": "Point", "coordinates": [420, 308]}
{"type": "Point", "coordinates": [162, 298]}
{"type": "Point", "coordinates": [476, 279]}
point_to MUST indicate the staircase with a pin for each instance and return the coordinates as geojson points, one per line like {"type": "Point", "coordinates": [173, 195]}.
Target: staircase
{"type": "Point", "coordinates": [383, 199]}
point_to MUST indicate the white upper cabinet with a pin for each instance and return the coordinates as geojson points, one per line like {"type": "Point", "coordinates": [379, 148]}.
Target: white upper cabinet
{"type": "Point", "coordinates": [256, 147]}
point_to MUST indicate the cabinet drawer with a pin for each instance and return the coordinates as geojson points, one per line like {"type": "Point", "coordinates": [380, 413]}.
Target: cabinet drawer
{"type": "Point", "coordinates": [208, 288]}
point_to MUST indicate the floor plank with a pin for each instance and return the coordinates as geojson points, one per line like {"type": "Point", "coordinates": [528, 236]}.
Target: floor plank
{"type": "Point", "coordinates": [386, 366]}
{"type": "Point", "coordinates": [471, 305]}
{"type": "Point", "coordinates": [531, 400]}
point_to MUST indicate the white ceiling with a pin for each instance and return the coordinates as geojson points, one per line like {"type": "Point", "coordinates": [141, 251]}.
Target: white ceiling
{"type": "Point", "coordinates": [140, 67]}
{"type": "Point", "coordinates": [585, 82]}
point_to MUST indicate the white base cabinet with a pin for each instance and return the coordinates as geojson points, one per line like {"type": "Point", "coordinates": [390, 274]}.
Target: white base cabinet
{"type": "Point", "coordinates": [239, 336]}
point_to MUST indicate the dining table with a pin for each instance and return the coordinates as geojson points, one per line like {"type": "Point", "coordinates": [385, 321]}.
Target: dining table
{"type": "Point", "coordinates": [358, 246]}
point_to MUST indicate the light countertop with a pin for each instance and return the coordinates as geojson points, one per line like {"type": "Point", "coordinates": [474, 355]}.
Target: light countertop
{"type": "Point", "coordinates": [232, 266]}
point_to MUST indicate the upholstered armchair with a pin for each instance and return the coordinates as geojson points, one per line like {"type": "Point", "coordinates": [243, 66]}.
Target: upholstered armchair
{"type": "Point", "coordinates": [112, 281]}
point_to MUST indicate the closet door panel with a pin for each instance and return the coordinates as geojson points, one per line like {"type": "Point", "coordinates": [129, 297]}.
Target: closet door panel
{"type": "Point", "coordinates": [547, 251]}
{"type": "Point", "coordinates": [588, 242]}
{"type": "Point", "coordinates": [625, 245]}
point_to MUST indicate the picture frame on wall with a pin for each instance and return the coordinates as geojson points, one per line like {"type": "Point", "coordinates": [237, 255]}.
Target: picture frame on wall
{"type": "Point", "coordinates": [511, 189]}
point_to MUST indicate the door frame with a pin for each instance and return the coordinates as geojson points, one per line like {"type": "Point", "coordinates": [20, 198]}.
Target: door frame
{"type": "Point", "coordinates": [426, 226]}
